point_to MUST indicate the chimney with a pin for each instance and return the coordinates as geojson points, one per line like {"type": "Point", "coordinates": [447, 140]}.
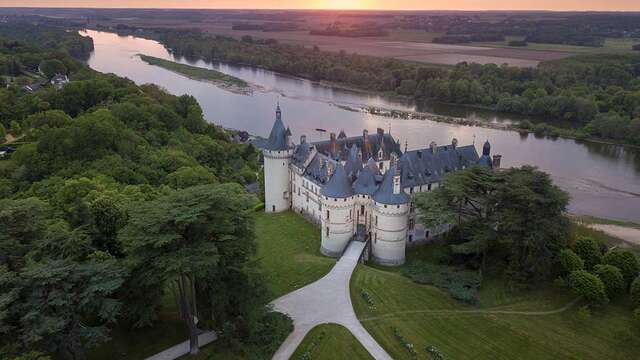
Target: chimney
{"type": "Point", "coordinates": [496, 161]}
{"type": "Point", "coordinates": [333, 144]}
{"type": "Point", "coordinates": [366, 146]}
{"type": "Point", "coordinates": [396, 181]}
{"type": "Point", "coordinates": [454, 143]}
{"type": "Point", "coordinates": [303, 139]}
{"type": "Point", "coordinates": [434, 147]}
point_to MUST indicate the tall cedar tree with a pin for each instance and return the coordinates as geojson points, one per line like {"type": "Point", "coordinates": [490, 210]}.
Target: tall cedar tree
{"type": "Point", "coordinates": [186, 240]}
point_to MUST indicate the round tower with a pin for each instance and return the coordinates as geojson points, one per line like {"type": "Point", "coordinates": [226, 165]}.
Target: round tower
{"type": "Point", "coordinates": [277, 154]}
{"type": "Point", "coordinates": [337, 213]}
{"type": "Point", "coordinates": [390, 222]}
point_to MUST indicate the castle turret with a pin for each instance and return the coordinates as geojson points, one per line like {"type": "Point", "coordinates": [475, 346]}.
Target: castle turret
{"type": "Point", "coordinates": [390, 211]}
{"type": "Point", "coordinates": [277, 155]}
{"type": "Point", "coordinates": [337, 217]}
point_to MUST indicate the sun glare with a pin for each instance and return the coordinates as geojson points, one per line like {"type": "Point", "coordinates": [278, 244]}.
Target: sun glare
{"type": "Point", "coordinates": [340, 4]}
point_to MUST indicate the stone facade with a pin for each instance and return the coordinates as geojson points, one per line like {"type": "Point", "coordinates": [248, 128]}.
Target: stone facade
{"type": "Point", "coordinates": [359, 187]}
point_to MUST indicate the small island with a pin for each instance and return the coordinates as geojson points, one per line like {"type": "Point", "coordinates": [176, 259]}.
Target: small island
{"type": "Point", "coordinates": [218, 78]}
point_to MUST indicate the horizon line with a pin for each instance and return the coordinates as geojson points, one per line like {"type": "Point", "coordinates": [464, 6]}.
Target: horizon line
{"type": "Point", "coordinates": [322, 9]}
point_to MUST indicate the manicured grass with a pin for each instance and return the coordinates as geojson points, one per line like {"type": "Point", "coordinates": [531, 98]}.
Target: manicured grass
{"type": "Point", "coordinates": [542, 325]}
{"type": "Point", "coordinates": [331, 342]}
{"type": "Point", "coordinates": [194, 72]}
{"type": "Point", "coordinates": [289, 251]}
{"type": "Point", "coordinates": [142, 343]}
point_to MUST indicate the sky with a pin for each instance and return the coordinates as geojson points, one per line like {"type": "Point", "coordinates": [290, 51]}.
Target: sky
{"type": "Point", "coordinates": [581, 5]}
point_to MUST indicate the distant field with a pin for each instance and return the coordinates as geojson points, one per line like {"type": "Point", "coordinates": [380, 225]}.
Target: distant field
{"type": "Point", "coordinates": [622, 45]}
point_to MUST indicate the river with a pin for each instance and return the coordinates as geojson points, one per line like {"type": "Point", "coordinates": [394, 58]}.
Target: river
{"type": "Point", "coordinates": [603, 180]}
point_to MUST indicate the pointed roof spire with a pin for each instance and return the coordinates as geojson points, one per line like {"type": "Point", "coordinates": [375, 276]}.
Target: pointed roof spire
{"type": "Point", "coordinates": [339, 185]}
{"type": "Point", "coordinates": [278, 138]}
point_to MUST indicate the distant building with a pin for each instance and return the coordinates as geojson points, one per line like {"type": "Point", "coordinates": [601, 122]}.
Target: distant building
{"type": "Point", "coordinates": [360, 187]}
{"type": "Point", "coordinates": [59, 81]}
{"type": "Point", "coordinates": [31, 88]}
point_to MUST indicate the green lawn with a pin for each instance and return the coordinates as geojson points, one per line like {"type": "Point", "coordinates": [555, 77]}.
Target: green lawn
{"type": "Point", "coordinates": [289, 251]}
{"type": "Point", "coordinates": [194, 72]}
{"type": "Point", "coordinates": [330, 342]}
{"type": "Point", "coordinates": [539, 324]}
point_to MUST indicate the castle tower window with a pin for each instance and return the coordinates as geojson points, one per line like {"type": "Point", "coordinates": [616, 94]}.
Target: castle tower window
{"type": "Point", "coordinates": [362, 209]}
{"type": "Point", "coordinates": [327, 231]}
{"type": "Point", "coordinates": [327, 214]}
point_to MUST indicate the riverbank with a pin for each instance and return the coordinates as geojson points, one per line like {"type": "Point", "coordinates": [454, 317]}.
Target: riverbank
{"type": "Point", "coordinates": [222, 80]}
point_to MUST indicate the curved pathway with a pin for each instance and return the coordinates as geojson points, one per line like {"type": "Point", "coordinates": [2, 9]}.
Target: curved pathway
{"type": "Point", "coordinates": [327, 300]}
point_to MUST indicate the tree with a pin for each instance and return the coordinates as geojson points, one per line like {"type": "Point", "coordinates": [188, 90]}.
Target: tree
{"type": "Point", "coordinates": [588, 286]}
{"type": "Point", "coordinates": [187, 239]}
{"type": "Point", "coordinates": [185, 177]}
{"type": "Point", "coordinates": [569, 261]}
{"type": "Point", "coordinates": [635, 292]}
{"type": "Point", "coordinates": [3, 133]}
{"type": "Point", "coordinates": [51, 68]}
{"type": "Point", "coordinates": [518, 210]}
{"type": "Point", "coordinates": [611, 278]}
{"type": "Point", "coordinates": [589, 250]}
{"type": "Point", "coordinates": [624, 260]}
{"type": "Point", "coordinates": [60, 306]}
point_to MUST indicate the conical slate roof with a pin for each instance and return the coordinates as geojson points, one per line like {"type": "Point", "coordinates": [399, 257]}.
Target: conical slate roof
{"type": "Point", "coordinates": [385, 194]}
{"type": "Point", "coordinates": [365, 183]}
{"type": "Point", "coordinates": [278, 137]}
{"type": "Point", "coordinates": [339, 185]}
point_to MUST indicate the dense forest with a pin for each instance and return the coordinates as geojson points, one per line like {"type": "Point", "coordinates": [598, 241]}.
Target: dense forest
{"type": "Point", "coordinates": [116, 197]}
{"type": "Point", "coordinates": [598, 94]}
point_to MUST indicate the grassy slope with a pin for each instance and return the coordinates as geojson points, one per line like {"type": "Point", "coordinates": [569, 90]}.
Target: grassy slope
{"type": "Point", "coordinates": [482, 334]}
{"type": "Point", "coordinates": [194, 72]}
{"type": "Point", "coordinates": [611, 45]}
{"type": "Point", "coordinates": [289, 251]}
{"type": "Point", "coordinates": [333, 342]}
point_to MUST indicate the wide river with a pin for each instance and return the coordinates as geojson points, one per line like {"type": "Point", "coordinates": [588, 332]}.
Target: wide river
{"type": "Point", "coordinates": [603, 180]}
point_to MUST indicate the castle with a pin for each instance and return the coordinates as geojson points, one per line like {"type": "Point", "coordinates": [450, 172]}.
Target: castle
{"type": "Point", "coordinates": [360, 188]}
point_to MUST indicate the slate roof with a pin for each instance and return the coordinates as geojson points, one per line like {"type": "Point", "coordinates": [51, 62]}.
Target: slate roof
{"type": "Point", "coordinates": [420, 167]}
{"type": "Point", "coordinates": [318, 171]}
{"type": "Point", "coordinates": [301, 154]}
{"type": "Point", "coordinates": [339, 186]}
{"type": "Point", "coordinates": [375, 142]}
{"type": "Point", "coordinates": [353, 163]}
{"type": "Point", "coordinates": [385, 194]}
{"type": "Point", "coordinates": [278, 137]}
{"type": "Point", "coordinates": [365, 183]}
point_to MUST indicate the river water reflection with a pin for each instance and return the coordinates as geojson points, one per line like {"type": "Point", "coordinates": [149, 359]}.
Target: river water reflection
{"type": "Point", "coordinates": [603, 180]}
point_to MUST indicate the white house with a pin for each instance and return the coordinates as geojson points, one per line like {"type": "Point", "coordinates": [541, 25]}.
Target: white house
{"type": "Point", "coordinates": [360, 188]}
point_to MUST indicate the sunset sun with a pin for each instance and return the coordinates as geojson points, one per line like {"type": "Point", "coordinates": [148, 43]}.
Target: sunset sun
{"type": "Point", "coordinates": [341, 4]}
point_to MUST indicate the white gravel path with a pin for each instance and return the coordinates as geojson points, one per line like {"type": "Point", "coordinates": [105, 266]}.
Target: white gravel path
{"type": "Point", "coordinates": [326, 301]}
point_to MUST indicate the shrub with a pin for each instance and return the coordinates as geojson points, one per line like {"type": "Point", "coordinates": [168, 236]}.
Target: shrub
{"type": "Point", "coordinates": [624, 260]}
{"type": "Point", "coordinates": [462, 284]}
{"type": "Point", "coordinates": [589, 251]}
{"type": "Point", "coordinates": [635, 292]}
{"type": "Point", "coordinates": [583, 314]}
{"type": "Point", "coordinates": [570, 261]}
{"type": "Point", "coordinates": [435, 353]}
{"type": "Point", "coordinates": [588, 286]}
{"type": "Point", "coordinates": [612, 279]}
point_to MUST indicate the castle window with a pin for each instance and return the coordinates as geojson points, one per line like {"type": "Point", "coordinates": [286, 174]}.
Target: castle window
{"type": "Point", "coordinates": [376, 220]}
{"type": "Point", "coordinates": [426, 234]}
{"type": "Point", "coordinates": [375, 238]}
{"type": "Point", "coordinates": [362, 209]}
{"type": "Point", "coordinates": [412, 224]}
{"type": "Point", "coordinates": [327, 231]}
{"type": "Point", "coordinates": [411, 190]}
{"type": "Point", "coordinates": [385, 206]}
{"type": "Point", "coordinates": [327, 214]}
{"type": "Point", "coordinates": [429, 187]}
